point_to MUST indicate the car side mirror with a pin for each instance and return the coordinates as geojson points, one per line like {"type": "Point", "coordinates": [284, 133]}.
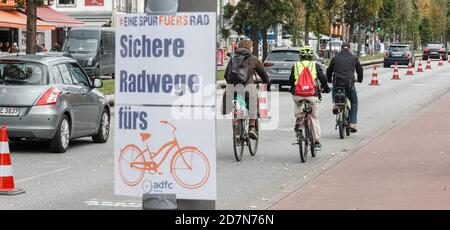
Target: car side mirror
{"type": "Point", "coordinates": [98, 83]}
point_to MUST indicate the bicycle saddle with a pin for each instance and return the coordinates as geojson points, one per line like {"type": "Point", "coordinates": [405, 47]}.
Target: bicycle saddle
{"type": "Point", "coordinates": [145, 136]}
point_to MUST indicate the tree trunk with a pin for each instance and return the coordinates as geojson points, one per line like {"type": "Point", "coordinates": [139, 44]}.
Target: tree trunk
{"type": "Point", "coordinates": [264, 44]}
{"type": "Point", "coordinates": [307, 26]}
{"type": "Point", "coordinates": [352, 25]}
{"type": "Point", "coordinates": [254, 38]}
{"type": "Point", "coordinates": [31, 27]}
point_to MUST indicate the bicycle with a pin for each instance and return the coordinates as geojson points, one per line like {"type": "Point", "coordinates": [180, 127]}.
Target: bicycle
{"type": "Point", "coordinates": [241, 129]}
{"type": "Point", "coordinates": [342, 118]}
{"type": "Point", "coordinates": [304, 132]}
{"type": "Point", "coordinates": [133, 163]}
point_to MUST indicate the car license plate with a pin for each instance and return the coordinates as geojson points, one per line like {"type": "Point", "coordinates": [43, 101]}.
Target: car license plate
{"type": "Point", "coordinates": [9, 111]}
{"type": "Point", "coordinates": [434, 53]}
{"type": "Point", "coordinates": [285, 71]}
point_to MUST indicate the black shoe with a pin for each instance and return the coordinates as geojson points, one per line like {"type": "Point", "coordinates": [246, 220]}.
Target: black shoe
{"type": "Point", "coordinates": [318, 146]}
{"type": "Point", "coordinates": [353, 128]}
{"type": "Point", "coordinates": [252, 133]}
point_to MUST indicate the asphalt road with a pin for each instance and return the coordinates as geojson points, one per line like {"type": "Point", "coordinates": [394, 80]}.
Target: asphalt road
{"type": "Point", "coordinates": [82, 178]}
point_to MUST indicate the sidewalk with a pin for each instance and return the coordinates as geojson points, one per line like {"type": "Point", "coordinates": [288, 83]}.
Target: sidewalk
{"type": "Point", "coordinates": [406, 168]}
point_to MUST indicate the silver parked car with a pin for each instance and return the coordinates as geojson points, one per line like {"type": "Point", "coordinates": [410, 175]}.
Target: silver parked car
{"type": "Point", "coordinates": [51, 98]}
{"type": "Point", "coordinates": [279, 63]}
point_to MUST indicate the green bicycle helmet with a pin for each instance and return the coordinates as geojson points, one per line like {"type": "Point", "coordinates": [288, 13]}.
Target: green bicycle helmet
{"type": "Point", "coordinates": [306, 51]}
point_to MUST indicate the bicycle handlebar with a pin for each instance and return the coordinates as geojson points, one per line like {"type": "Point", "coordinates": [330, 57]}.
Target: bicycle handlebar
{"type": "Point", "coordinates": [168, 123]}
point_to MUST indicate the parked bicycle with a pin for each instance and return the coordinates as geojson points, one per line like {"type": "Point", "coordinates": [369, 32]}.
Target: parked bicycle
{"type": "Point", "coordinates": [241, 137]}
{"type": "Point", "coordinates": [304, 132]}
{"type": "Point", "coordinates": [343, 116]}
{"type": "Point", "coordinates": [189, 166]}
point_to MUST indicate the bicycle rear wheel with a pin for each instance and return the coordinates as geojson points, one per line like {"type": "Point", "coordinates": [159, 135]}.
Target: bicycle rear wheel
{"type": "Point", "coordinates": [312, 146]}
{"type": "Point", "coordinates": [253, 144]}
{"type": "Point", "coordinates": [304, 139]}
{"type": "Point", "coordinates": [341, 125]}
{"type": "Point", "coordinates": [238, 140]}
{"type": "Point", "coordinates": [347, 125]}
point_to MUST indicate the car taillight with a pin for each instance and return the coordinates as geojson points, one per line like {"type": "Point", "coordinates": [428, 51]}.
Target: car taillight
{"type": "Point", "coordinates": [441, 50]}
{"type": "Point", "coordinates": [50, 97]}
{"type": "Point", "coordinates": [386, 54]}
{"type": "Point", "coordinates": [268, 64]}
{"type": "Point", "coordinates": [427, 49]}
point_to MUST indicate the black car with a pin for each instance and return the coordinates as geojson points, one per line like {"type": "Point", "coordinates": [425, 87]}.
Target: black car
{"type": "Point", "coordinates": [435, 50]}
{"type": "Point", "coordinates": [93, 48]}
{"type": "Point", "coordinates": [402, 54]}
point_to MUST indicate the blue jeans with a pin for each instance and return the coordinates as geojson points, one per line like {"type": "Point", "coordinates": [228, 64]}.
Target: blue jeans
{"type": "Point", "coordinates": [353, 97]}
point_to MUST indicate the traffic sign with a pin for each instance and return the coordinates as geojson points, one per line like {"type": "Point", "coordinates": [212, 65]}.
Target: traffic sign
{"type": "Point", "coordinates": [165, 139]}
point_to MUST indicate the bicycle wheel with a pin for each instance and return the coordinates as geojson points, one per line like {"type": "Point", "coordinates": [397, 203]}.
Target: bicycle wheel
{"type": "Point", "coordinates": [131, 176]}
{"type": "Point", "coordinates": [347, 124]}
{"type": "Point", "coordinates": [304, 141]}
{"type": "Point", "coordinates": [190, 168]}
{"type": "Point", "coordinates": [238, 140]}
{"type": "Point", "coordinates": [341, 125]}
{"type": "Point", "coordinates": [311, 139]}
{"type": "Point", "coordinates": [253, 144]}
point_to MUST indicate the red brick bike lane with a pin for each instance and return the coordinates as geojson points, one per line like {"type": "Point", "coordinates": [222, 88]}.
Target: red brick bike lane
{"type": "Point", "coordinates": [406, 168]}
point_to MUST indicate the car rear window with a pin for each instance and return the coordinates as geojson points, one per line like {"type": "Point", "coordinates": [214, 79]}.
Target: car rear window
{"type": "Point", "coordinates": [399, 48]}
{"type": "Point", "coordinates": [23, 73]}
{"type": "Point", "coordinates": [283, 55]}
{"type": "Point", "coordinates": [435, 46]}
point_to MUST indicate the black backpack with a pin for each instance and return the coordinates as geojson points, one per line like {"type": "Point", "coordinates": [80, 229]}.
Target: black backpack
{"type": "Point", "coordinates": [239, 69]}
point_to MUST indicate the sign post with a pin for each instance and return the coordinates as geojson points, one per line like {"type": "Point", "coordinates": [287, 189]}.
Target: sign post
{"type": "Point", "coordinates": [165, 139]}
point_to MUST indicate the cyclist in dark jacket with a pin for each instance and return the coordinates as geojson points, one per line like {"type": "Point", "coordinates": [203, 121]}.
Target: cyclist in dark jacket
{"type": "Point", "coordinates": [251, 94]}
{"type": "Point", "coordinates": [341, 73]}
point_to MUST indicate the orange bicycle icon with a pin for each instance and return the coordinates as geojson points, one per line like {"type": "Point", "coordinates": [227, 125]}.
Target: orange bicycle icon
{"type": "Point", "coordinates": [133, 162]}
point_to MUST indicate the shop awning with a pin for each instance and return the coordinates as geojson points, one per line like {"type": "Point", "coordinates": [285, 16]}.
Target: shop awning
{"type": "Point", "coordinates": [56, 18]}
{"type": "Point", "coordinates": [15, 19]}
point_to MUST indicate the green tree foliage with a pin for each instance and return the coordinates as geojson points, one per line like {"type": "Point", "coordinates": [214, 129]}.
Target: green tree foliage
{"type": "Point", "coordinates": [426, 30]}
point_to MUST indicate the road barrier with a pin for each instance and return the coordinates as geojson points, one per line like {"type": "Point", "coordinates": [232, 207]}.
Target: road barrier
{"type": "Point", "coordinates": [374, 76]}
{"type": "Point", "coordinates": [420, 68]}
{"type": "Point", "coordinates": [396, 76]}
{"type": "Point", "coordinates": [6, 176]}
{"type": "Point", "coordinates": [428, 64]}
{"type": "Point", "coordinates": [263, 109]}
{"type": "Point", "coordinates": [410, 70]}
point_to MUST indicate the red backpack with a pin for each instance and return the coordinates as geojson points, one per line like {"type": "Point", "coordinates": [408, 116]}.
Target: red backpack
{"type": "Point", "coordinates": [306, 87]}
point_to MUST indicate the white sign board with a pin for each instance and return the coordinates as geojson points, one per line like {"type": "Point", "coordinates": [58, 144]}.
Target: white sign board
{"type": "Point", "coordinates": [165, 60]}
{"type": "Point", "coordinates": [165, 139]}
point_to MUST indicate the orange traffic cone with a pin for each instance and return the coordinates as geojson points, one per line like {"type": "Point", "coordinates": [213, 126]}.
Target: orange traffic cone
{"type": "Point", "coordinates": [396, 77]}
{"type": "Point", "coordinates": [374, 76]}
{"type": "Point", "coordinates": [441, 63]}
{"type": "Point", "coordinates": [410, 70]}
{"type": "Point", "coordinates": [428, 64]}
{"type": "Point", "coordinates": [420, 68]}
{"type": "Point", "coordinates": [6, 175]}
{"type": "Point", "coordinates": [263, 110]}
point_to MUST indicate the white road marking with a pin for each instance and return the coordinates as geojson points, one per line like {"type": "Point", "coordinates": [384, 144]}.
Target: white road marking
{"type": "Point", "coordinates": [113, 204]}
{"type": "Point", "coordinates": [422, 85]}
{"type": "Point", "coordinates": [43, 174]}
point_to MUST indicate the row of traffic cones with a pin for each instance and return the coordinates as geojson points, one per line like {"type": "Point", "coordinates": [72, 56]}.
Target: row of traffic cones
{"type": "Point", "coordinates": [6, 175]}
{"type": "Point", "coordinates": [410, 71]}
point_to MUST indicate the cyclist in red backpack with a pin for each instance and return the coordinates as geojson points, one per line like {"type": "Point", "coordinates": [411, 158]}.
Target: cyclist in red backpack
{"type": "Point", "coordinates": [307, 81]}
